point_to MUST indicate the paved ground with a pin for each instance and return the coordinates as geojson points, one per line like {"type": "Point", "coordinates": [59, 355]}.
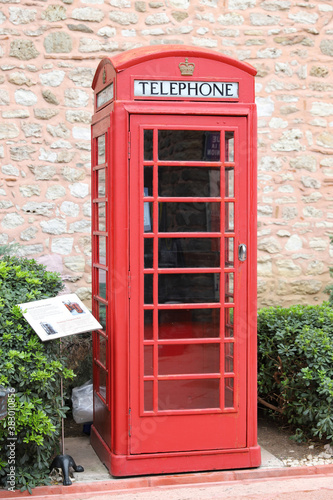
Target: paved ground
{"type": "Point", "coordinates": [301, 488]}
{"type": "Point", "coordinates": [271, 481]}
{"type": "Point", "coordinates": [309, 487]}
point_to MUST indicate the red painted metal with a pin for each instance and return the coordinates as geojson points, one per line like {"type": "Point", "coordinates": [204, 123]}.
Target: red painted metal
{"type": "Point", "coordinates": [175, 363]}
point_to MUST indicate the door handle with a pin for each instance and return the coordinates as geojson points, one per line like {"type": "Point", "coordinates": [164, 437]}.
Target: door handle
{"type": "Point", "coordinates": [242, 252]}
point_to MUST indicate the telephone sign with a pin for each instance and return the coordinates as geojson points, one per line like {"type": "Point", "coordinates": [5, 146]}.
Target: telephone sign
{"type": "Point", "coordinates": [198, 90]}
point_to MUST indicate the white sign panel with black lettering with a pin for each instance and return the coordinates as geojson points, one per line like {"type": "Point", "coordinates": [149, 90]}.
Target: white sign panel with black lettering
{"type": "Point", "coordinates": [59, 316]}
{"type": "Point", "coordinates": [181, 88]}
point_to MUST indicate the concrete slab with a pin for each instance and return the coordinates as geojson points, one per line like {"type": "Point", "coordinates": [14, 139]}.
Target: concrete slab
{"type": "Point", "coordinates": [80, 449]}
{"type": "Point", "coordinates": [268, 460]}
{"type": "Point", "coordinates": [82, 452]}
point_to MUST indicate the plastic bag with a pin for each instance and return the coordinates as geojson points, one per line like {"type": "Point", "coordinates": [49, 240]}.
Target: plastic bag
{"type": "Point", "coordinates": [82, 399]}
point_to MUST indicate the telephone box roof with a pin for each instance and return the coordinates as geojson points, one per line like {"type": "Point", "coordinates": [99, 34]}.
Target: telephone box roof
{"type": "Point", "coordinates": [133, 57]}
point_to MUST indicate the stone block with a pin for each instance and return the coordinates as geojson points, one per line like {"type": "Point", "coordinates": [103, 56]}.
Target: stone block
{"type": "Point", "coordinates": [23, 50]}
{"type": "Point", "coordinates": [31, 129]}
{"type": "Point", "coordinates": [22, 16]}
{"type": "Point", "coordinates": [58, 130]}
{"type": "Point", "coordinates": [55, 192]}
{"type": "Point", "coordinates": [270, 245]}
{"type": "Point", "coordinates": [78, 116]}
{"type": "Point", "coordinates": [54, 226]}
{"type": "Point", "coordinates": [88, 14]}
{"type": "Point", "coordinates": [53, 78]}
{"type": "Point", "coordinates": [294, 243]}
{"type": "Point", "coordinates": [69, 208]}
{"type": "Point", "coordinates": [79, 190]}
{"type": "Point", "coordinates": [43, 172]}
{"type": "Point", "coordinates": [45, 114]}
{"type": "Point", "coordinates": [286, 267]}
{"type": "Point", "coordinates": [9, 131]}
{"type": "Point", "coordinates": [58, 42]}
{"type": "Point", "coordinates": [325, 140]}
{"type": "Point", "coordinates": [25, 97]}
{"type": "Point", "coordinates": [80, 27]}
{"type": "Point", "coordinates": [20, 153]}
{"type": "Point", "coordinates": [156, 19]}
{"type": "Point", "coordinates": [62, 246]}
{"type": "Point", "coordinates": [39, 208]}
{"type": "Point", "coordinates": [259, 19]}
{"type": "Point", "coordinates": [304, 162]}
{"type": "Point", "coordinates": [12, 220]}
{"type": "Point", "coordinates": [73, 174]}
{"type": "Point", "coordinates": [76, 98]}
{"type": "Point", "coordinates": [274, 5]}
{"type": "Point", "coordinates": [50, 97]}
{"type": "Point", "coordinates": [20, 78]}
{"type": "Point", "coordinates": [29, 233]}
{"type": "Point", "coordinates": [75, 263]}
{"type": "Point", "coordinates": [326, 47]}
{"type": "Point", "coordinates": [302, 17]}
{"type": "Point", "coordinates": [82, 77]}
{"type": "Point", "coordinates": [299, 287]}
{"type": "Point", "coordinates": [54, 13]}
{"type": "Point", "coordinates": [231, 19]}
{"type": "Point", "coordinates": [30, 190]}
{"type": "Point", "coordinates": [123, 18]}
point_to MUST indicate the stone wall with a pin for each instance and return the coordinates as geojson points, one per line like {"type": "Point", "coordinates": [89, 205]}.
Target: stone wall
{"type": "Point", "coordinates": [48, 55]}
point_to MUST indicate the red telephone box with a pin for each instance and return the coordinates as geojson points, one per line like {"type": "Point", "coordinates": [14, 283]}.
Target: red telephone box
{"type": "Point", "coordinates": [174, 262]}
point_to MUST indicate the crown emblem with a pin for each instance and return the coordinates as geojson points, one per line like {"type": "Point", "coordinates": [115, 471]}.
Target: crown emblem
{"type": "Point", "coordinates": [186, 68]}
{"type": "Point", "coordinates": [104, 76]}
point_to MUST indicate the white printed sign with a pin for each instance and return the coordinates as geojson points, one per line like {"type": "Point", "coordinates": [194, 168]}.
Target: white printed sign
{"type": "Point", "coordinates": [59, 316]}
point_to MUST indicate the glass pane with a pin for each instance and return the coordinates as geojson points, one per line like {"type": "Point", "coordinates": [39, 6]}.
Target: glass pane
{"type": "Point", "coordinates": [188, 252]}
{"type": "Point", "coordinates": [148, 395]}
{"type": "Point", "coordinates": [188, 217]}
{"type": "Point", "coordinates": [188, 181]}
{"type": "Point", "coordinates": [101, 225]}
{"type": "Point", "coordinates": [148, 217]}
{"type": "Point", "coordinates": [102, 350]}
{"type": "Point", "coordinates": [212, 146]}
{"type": "Point", "coordinates": [229, 252]}
{"type": "Point", "coordinates": [229, 357]}
{"type": "Point", "coordinates": [148, 145]}
{"type": "Point", "coordinates": [229, 393]}
{"type": "Point", "coordinates": [148, 359]}
{"type": "Point", "coordinates": [229, 322]}
{"type": "Point", "coordinates": [101, 149]}
{"type": "Point", "coordinates": [148, 255]}
{"type": "Point", "coordinates": [229, 183]}
{"type": "Point", "coordinates": [187, 358]}
{"type": "Point", "coordinates": [101, 176]}
{"type": "Point", "coordinates": [105, 95]}
{"type": "Point", "coordinates": [148, 289]}
{"type": "Point", "coordinates": [102, 283]}
{"type": "Point", "coordinates": [188, 323]}
{"type": "Point", "coordinates": [148, 325]}
{"type": "Point", "coordinates": [102, 315]}
{"type": "Point", "coordinates": [188, 288]}
{"type": "Point", "coordinates": [102, 382]}
{"type": "Point", "coordinates": [148, 181]}
{"type": "Point", "coordinates": [188, 394]}
{"type": "Point", "coordinates": [229, 217]}
{"type": "Point", "coordinates": [229, 146]}
{"type": "Point", "coordinates": [102, 249]}
{"type": "Point", "coordinates": [229, 287]}
{"type": "Point", "coordinates": [188, 145]}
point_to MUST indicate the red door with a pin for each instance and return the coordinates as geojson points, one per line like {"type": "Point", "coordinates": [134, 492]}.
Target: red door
{"type": "Point", "coordinates": [188, 283]}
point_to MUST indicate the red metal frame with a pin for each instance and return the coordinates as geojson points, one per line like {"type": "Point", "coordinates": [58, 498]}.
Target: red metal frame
{"type": "Point", "coordinates": [129, 440]}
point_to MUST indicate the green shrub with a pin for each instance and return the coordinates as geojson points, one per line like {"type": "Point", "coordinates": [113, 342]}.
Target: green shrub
{"type": "Point", "coordinates": [32, 369]}
{"type": "Point", "coordinates": [295, 367]}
